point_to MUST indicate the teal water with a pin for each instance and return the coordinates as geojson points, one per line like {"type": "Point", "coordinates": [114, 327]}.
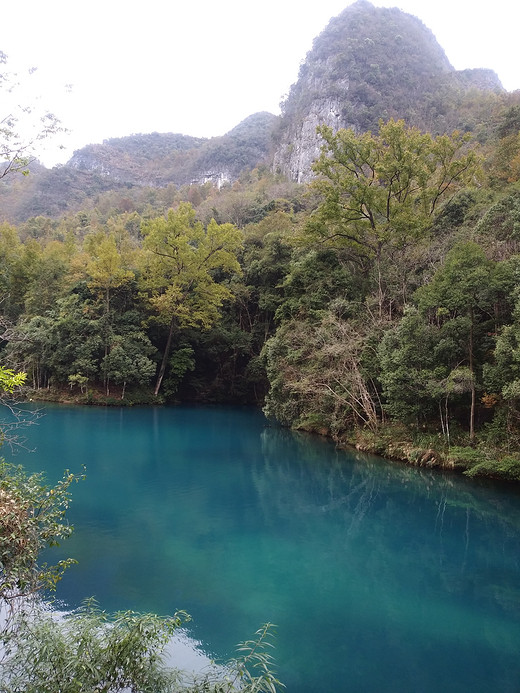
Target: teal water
{"type": "Point", "coordinates": [380, 578]}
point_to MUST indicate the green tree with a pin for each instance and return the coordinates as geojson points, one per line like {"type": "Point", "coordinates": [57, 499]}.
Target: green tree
{"type": "Point", "coordinates": [463, 299]}
{"type": "Point", "coordinates": [181, 361]}
{"type": "Point", "coordinates": [181, 266]}
{"type": "Point", "coordinates": [409, 368]}
{"type": "Point", "coordinates": [32, 517]}
{"type": "Point", "coordinates": [420, 369]}
{"type": "Point", "coordinates": [106, 267]}
{"type": "Point", "coordinates": [319, 375]}
{"type": "Point", "coordinates": [379, 193]}
{"type": "Point", "coordinates": [317, 280]}
{"type": "Point", "coordinates": [502, 379]}
{"type": "Point", "coordinates": [128, 360]}
{"type": "Point", "coordinates": [67, 340]}
{"type": "Point", "coordinates": [49, 279]}
{"type": "Point", "coordinates": [14, 276]}
{"type": "Point", "coordinates": [86, 650]}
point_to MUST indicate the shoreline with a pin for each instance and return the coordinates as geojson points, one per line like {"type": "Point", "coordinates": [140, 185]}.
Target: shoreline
{"type": "Point", "coordinates": [392, 442]}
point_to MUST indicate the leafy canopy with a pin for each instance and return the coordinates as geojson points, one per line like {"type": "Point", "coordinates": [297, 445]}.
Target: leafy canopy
{"type": "Point", "coordinates": [181, 263]}
{"type": "Point", "coordinates": [384, 189]}
{"type": "Point", "coordinates": [9, 380]}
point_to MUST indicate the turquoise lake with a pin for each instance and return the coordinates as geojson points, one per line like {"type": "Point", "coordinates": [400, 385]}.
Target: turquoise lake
{"type": "Point", "coordinates": [380, 577]}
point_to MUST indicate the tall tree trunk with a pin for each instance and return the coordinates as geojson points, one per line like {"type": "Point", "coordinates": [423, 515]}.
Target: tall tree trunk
{"type": "Point", "coordinates": [473, 392]}
{"type": "Point", "coordinates": [380, 292]}
{"type": "Point", "coordinates": [166, 354]}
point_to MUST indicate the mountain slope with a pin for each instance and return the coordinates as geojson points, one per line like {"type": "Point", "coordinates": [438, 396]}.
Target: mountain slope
{"type": "Point", "coordinates": [158, 159]}
{"type": "Point", "coordinates": [370, 63]}
{"type": "Point", "coordinates": [153, 160]}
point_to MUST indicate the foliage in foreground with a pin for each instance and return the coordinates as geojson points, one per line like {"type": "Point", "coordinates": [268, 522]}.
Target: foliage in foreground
{"type": "Point", "coordinates": [32, 517]}
{"type": "Point", "coordinates": [87, 650]}
{"type": "Point", "coordinates": [84, 651]}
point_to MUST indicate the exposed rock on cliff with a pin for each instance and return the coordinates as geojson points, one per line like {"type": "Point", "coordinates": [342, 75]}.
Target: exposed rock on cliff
{"type": "Point", "coordinates": [370, 63]}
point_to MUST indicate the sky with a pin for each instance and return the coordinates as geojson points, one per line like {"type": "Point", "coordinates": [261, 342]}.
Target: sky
{"type": "Point", "coordinates": [110, 68]}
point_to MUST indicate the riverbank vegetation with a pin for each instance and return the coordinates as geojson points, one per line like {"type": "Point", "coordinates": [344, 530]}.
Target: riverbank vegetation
{"type": "Point", "coordinates": [378, 304]}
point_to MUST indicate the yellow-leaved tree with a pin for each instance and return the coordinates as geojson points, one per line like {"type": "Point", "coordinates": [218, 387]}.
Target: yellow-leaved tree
{"type": "Point", "coordinates": [181, 263]}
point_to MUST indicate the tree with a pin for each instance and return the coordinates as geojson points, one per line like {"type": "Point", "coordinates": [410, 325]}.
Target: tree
{"type": "Point", "coordinates": [9, 380]}
{"type": "Point", "coordinates": [316, 280]}
{"type": "Point", "coordinates": [86, 650]}
{"type": "Point", "coordinates": [127, 360]}
{"type": "Point", "coordinates": [420, 369]}
{"type": "Point", "coordinates": [106, 267]}
{"type": "Point", "coordinates": [22, 128]}
{"type": "Point", "coordinates": [462, 299]}
{"type": "Point", "coordinates": [67, 340]}
{"type": "Point", "coordinates": [13, 273]}
{"type": "Point", "coordinates": [32, 517]}
{"type": "Point", "coordinates": [379, 193]}
{"type": "Point", "coordinates": [48, 280]}
{"type": "Point", "coordinates": [181, 267]}
{"type": "Point", "coordinates": [502, 378]}
{"type": "Point", "coordinates": [319, 376]}
{"type": "Point", "coordinates": [409, 367]}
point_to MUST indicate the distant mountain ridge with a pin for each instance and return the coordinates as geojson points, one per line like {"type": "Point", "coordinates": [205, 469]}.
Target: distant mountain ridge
{"type": "Point", "coordinates": [149, 160]}
{"type": "Point", "coordinates": [161, 158]}
{"type": "Point", "coordinates": [369, 63]}
{"type": "Point", "coordinates": [136, 159]}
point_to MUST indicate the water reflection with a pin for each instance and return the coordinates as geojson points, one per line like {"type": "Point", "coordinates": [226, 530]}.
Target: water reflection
{"type": "Point", "coordinates": [423, 566]}
{"type": "Point", "coordinates": [381, 577]}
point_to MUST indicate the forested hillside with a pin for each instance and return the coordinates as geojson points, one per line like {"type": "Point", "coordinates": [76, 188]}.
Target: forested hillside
{"type": "Point", "coordinates": [135, 163]}
{"type": "Point", "coordinates": [377, 303]}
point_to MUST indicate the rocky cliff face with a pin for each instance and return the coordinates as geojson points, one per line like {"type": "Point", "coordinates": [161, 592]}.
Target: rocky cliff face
{"type": "Point", "coordinates": [369, 63]}
{"type": "Point", "coordinates": [299, 145]}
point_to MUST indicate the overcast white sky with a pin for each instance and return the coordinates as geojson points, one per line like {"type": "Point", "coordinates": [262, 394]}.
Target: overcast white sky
{"type": "Point", "coordinates": [201, 67]}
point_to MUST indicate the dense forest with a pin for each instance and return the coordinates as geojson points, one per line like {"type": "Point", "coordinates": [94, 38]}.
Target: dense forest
{"type": "Point", "coordinates": [377, 303]}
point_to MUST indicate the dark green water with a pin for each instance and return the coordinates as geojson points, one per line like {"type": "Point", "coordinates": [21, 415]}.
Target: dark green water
{"type": "Point", "coordinates": [381, 578]}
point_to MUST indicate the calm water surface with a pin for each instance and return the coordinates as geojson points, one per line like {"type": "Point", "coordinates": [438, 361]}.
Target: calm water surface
{"type": "Point", "coordinates": [381, 578]}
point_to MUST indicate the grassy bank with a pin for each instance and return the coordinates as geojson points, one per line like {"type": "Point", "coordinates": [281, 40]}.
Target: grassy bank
{"type": "Point", "coordinates": [420, 449]}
